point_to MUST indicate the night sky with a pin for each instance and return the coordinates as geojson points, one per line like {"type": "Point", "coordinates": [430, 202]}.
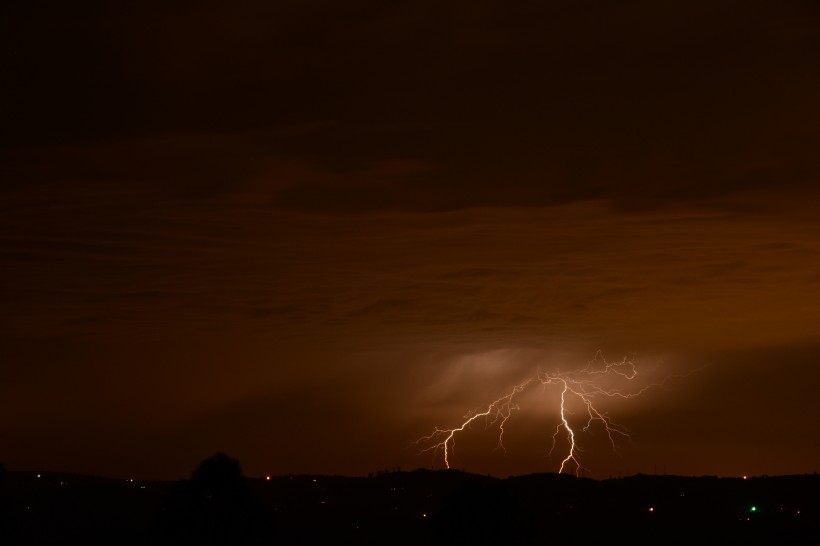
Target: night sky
{"type": "Point", "coordinates": [307, 232]}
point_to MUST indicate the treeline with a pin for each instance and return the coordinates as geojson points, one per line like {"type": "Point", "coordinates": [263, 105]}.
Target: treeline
{"type": "Point", "coordinates": [218, 505]}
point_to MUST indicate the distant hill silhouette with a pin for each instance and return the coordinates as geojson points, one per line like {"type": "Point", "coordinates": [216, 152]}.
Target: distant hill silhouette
{"type": "Point", "coordinates": [218, 505]}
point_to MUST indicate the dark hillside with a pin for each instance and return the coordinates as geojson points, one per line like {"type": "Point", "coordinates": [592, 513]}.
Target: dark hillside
{"type": "Point", "coordinates": [418, 507]}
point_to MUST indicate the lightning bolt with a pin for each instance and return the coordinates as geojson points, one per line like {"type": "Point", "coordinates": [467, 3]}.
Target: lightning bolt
{"type": "Point", "coordinates": [584, 386]}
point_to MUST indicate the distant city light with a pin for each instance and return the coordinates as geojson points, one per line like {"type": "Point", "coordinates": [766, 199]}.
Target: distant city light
{"type": "Point", "coordinates": [651, 508]}
{"type": "Point", "coordinates": [267, 477]}
{"type": "Point", "coordinates": [745, 477]}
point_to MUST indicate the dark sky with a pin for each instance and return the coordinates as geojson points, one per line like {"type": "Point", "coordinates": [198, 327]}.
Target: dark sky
{"type": "Point", "coordinates": [307, 232]}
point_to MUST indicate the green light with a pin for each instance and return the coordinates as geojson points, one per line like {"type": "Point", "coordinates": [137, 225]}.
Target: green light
{"type": "Point", "coordinates": [753, 509]}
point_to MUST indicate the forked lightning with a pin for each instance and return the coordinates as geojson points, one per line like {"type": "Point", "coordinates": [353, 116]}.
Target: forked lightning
{"type": "Point", "coordinates": [584, 386]}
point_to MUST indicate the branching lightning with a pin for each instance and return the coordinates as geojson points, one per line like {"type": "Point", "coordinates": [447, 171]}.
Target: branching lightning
{"type": "Point", "coordinates": [584, 387]}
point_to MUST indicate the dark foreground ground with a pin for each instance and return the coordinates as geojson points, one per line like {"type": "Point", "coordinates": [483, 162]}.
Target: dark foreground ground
{"type": "Point", "coordinates": [419, 507]}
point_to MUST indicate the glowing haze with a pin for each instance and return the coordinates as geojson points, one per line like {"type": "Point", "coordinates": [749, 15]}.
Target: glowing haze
{"type": "Point", "coordinates": [307, 233]}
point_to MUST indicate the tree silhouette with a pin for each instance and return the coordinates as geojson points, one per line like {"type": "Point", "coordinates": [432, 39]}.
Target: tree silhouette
{"type": "Point", "coordinates": [217, 507]}
{"type": "Point", "coordinates": [218, 476]}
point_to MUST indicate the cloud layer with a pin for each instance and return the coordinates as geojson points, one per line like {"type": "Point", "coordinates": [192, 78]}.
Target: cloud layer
{"type": "Point", "coordinates": [287, 226]}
